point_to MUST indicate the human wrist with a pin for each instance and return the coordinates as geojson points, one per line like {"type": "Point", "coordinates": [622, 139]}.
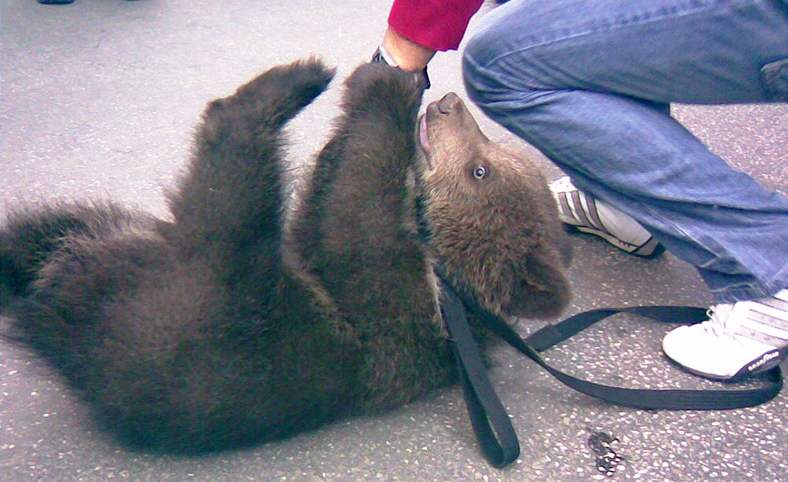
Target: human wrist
{"type": "Point", "coordinates": [408, 55]}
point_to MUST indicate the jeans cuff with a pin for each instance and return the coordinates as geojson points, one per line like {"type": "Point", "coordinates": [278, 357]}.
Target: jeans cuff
{"type": "Point", "coordinates": [749, 291]}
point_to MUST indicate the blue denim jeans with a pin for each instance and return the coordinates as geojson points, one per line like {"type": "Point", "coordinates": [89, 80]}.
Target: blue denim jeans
{"type": "Point", "coordinates": [589, 83]}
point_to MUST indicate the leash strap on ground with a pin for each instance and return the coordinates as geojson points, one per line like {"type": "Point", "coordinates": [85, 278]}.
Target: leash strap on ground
{"type": "Point", "coordinates": [491, 422]}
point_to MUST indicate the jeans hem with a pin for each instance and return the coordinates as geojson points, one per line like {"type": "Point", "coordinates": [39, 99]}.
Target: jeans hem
{"type": "Point", "coordinates": [748, 292]}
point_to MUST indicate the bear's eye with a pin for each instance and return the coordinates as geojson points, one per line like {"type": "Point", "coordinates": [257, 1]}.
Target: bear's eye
{"type": "Point", "coordinates": [480, 172]}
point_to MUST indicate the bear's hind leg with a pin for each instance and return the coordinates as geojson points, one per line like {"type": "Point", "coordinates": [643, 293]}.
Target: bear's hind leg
{"type": "Point", "coordinates": [30, 236]}
{"type": "Point", "coordinates": [229, 204]}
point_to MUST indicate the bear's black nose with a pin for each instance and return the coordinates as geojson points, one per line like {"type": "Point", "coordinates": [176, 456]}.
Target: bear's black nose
{"type": "Point", "coordinates": [449, 103]}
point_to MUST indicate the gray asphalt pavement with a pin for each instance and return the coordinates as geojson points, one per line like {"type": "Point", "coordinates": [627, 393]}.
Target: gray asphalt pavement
{"type": "Point", "coordinates": [100, 98]}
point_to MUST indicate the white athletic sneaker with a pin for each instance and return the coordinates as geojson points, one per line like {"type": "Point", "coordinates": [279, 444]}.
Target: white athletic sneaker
{"type": "Point", "coordinates": [739, 339]}
{"type": "Point", "coordinates": [583, 212]}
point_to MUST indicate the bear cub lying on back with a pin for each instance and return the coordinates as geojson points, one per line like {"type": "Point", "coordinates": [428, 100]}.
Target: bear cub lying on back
{"type": "Point", "coordinates": [223, 326]}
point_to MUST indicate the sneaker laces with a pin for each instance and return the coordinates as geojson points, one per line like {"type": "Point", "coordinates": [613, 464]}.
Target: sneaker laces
{"type": "Point", "coordinates": [718, 322]}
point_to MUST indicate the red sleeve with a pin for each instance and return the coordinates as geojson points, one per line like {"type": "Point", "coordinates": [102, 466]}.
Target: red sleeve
{"type": "Point", "coordinates": [437, 24]}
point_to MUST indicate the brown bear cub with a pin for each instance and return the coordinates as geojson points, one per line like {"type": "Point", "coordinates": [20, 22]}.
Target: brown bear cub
{"type": "Point", "coordinates": [222, 327]}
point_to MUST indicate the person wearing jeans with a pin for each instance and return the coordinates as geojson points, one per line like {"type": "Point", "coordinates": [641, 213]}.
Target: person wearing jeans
{"type": "Point", "coordinates": [589, 84]}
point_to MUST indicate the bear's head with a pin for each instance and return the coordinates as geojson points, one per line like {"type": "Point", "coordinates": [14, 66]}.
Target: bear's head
{"type": "Point", "coordinates": [492, 223]}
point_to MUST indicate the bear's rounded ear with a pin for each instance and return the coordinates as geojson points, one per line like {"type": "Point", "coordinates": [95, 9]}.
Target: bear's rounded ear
{"type": "Point", "coordinates": [541, 290]}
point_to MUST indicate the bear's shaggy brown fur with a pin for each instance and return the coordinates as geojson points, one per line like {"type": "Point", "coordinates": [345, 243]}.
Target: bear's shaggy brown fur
{"type": "Point", "coordinates": [222, 327]}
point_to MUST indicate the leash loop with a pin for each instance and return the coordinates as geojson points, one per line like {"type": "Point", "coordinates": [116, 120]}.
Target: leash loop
{"type": "Point", "coordinates": [490, 421]}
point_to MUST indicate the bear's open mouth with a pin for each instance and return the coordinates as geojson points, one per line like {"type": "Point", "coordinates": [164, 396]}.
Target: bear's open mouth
{"type": "Point", "coordinates": [424, 140]}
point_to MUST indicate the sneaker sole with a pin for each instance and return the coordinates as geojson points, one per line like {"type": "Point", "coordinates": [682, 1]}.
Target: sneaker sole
{"type": "Point", "coordinates": [649, 250]}
{"type": "Point", "coordinates": [742, 374]}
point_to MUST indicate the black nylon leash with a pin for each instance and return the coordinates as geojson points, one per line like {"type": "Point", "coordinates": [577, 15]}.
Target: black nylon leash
{"type": "Point", "coordinates": [490, 421]}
